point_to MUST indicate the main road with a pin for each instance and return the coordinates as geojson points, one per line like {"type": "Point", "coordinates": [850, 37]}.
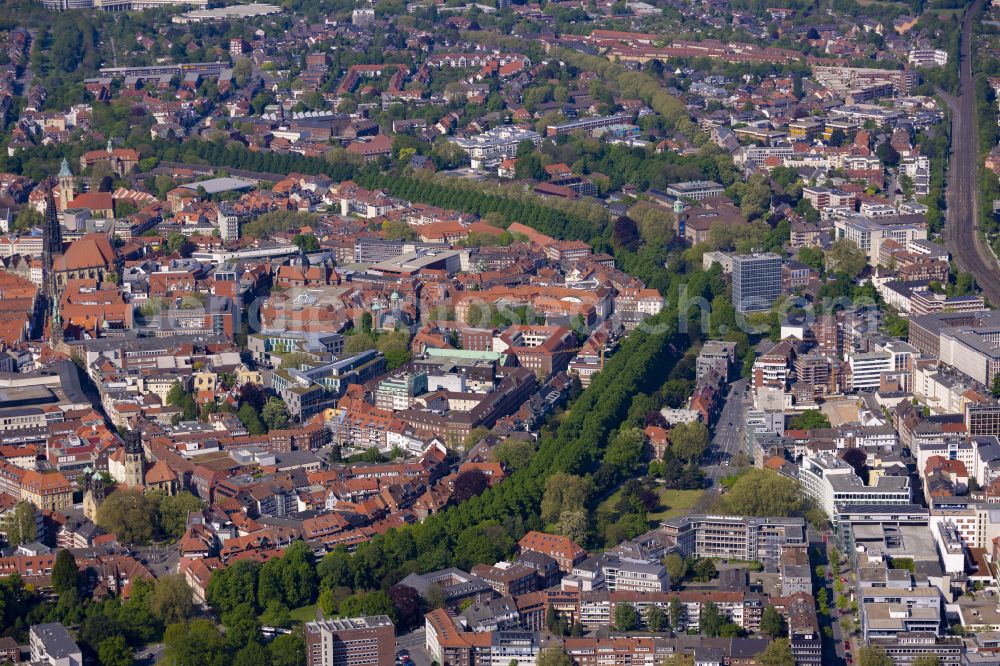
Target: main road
{"type": "Point", "coordinates": [727, 436]}
{"type": "Point", "coordinates": [961, 232]}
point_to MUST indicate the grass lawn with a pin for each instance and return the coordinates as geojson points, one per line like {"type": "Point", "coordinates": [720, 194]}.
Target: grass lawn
{"type": "Point", "coordinates": [677, 503]}
{"type": "Point", "coordinates": [304, 614]}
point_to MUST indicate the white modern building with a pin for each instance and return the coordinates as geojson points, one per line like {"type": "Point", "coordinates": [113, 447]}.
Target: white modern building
{"type": "Point", "coordinates": [972, 351]}
{"type": "Point", "coordinates": [832, 483]}
{"type": "Point", "coordinates": [928, 57]}
{"type": "Point", "coordinates": [229, 224]}
{"type": "Point", "coordinates": [695, 189]}
{"type": "Point", "coordinates": [734, 537]}
{"type": "Point", "coordinates": [867, 369]}
{"type": "Point", "coordinates": [489, 148]}
{"type": "Point", "coordinates": [51, 644]}
{"type": "Point", "coordinates": [869, 234]}
{"type": "Point", "coordinates": [887, 612]}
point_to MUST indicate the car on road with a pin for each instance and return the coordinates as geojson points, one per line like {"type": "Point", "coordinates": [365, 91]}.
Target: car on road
{"type": "Point", "coordinates": [850, 659]}
{"type": "Point", "coordinates": [847, 645]}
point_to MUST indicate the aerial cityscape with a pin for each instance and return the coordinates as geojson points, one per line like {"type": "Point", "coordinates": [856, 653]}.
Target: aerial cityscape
{"type": "Point", "coordinates": [500, 333]}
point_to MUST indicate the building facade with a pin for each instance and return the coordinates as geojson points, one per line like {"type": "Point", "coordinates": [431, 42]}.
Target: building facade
{"type": "Point", "coordinates": [356, 641]}
{"type": "Point", "coordinates": [756, 281]}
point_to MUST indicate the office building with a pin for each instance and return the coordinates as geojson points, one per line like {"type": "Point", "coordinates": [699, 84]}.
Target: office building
{"type": "Point", "coordinates": [734, 537]}
{"type": "Point", "coordinates": [895, 530]}
{"type": "Point", "coordinates": [695, 189]}
{"type": "Point", "coordinates": [848, 78]}
{"type": "Point", "coordinates": [489, 148]}
{"type": "Point", "coordinates": [925, 330]}
{"type": "Point", "coordinates": [904, 649]}
{"type": "Point", "coordinates": [833, 484]}
{"type": "Point", "coordinates": [399, 391]}
{"type": "Point", "coordinates": [867, 368]}
{"type": "Point", "coordinates": [356, 641]}
{"type": "Point", "coordinates": [588, 124]}
{"type": "Point", "coordinates": [869, 234]}
{"type": "Point", "coordinates": [894, 610]}
{"type": "Point", "coordinates": [972, 351]}
{"type": "Point", "coordinates": [309, 391]}
{"type": "Point", "coordinates": [982, 419]}
{"type": "Point", "coordinates": [756, 281]}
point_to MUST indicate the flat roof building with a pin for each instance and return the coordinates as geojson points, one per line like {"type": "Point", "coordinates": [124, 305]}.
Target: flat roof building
{"type": "Point", "coordinates": [756, 281]}
{"type": "Point", "coordinates": [220, 185]}
{"type": "Point", "coordinates": [832, 483]}
{"type": "Point", "coordinates": [223, 13]}
{"type": "Point", "coordinates": [734, 537]}
{"type": "Point", "coordinates": [358, 641]}
{"type": "Point", "coordinates": [695, 189]}
{"type": "Point", "coordinates": [51, 644]}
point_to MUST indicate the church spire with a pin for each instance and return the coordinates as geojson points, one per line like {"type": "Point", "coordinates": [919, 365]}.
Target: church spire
{"type": "Point", "coordinates": [133, 440]}
{"type": "Point", "coordinates": [51, 232]}
{"type": "Point", "coordinates": [51, 246]}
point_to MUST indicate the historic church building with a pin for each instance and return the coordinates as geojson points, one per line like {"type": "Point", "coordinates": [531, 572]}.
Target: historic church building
{"type": "Point", "coordinates": [128, 467]}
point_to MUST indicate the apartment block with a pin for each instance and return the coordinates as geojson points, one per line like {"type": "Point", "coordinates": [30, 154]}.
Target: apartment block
{"type": "Point", "coordinates": [52, 645]}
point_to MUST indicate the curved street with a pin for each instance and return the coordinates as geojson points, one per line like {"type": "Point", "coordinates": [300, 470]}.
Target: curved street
{"type": "Point", "coordinates": [969, 250]}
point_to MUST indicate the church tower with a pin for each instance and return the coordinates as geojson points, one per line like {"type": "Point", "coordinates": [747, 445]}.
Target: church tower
{"type": "Point", "coordinates": [93, 495]}
{"type": "Point", "coordinates": [52, 247]}
{"type": "Point", "coordinates": [67, 185]}
{"type": "Point", "coordinates": [134, 460]}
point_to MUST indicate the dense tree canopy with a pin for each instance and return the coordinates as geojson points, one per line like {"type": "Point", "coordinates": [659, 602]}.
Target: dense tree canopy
{"type": "Point", "coordinates": [19, 524]}
{"type": "Point", "coordinates": [763, 492]}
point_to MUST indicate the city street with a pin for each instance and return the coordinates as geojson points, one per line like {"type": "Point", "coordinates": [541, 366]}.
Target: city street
{"type": "Point", "coordinates": [727, 440]}
{"type": "Point", "coordinates": [151, 654]}
{"type": "Point", "coordinates": [414, 642]}
{"type": "Point", "coordinates": [727, 435]}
